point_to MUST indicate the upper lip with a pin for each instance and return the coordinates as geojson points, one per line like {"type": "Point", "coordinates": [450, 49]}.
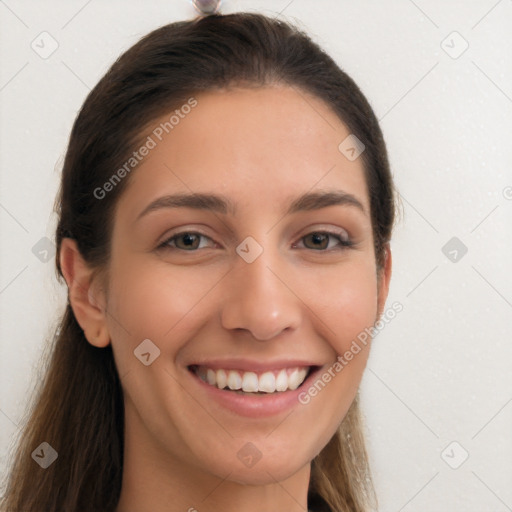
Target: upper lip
{"type": "Point", "coordinates": [248, 365]}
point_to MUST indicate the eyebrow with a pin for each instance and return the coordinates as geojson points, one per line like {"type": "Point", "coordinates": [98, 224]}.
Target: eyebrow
{"type": "Point", "coordinates": [221, 204]}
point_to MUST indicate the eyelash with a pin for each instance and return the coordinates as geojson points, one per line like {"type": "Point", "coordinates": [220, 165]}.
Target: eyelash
{"type": "Point", "coordinates": [343, 244]}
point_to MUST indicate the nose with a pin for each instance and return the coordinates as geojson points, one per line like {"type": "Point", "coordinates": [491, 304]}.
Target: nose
{"type": "Point", "coordinates": [259, 299]}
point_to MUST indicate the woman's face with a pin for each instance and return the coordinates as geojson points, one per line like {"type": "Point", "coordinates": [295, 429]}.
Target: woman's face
{"type": "Point", "coordinates": [245, 290]}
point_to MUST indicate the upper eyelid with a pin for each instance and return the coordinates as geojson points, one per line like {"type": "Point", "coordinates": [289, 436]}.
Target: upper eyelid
{"type": "Point", "coordinates": [314, 227]}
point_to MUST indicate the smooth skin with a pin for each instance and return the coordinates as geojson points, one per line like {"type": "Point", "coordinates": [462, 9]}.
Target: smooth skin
{"type": "Point", "coordinates": [300, 299]}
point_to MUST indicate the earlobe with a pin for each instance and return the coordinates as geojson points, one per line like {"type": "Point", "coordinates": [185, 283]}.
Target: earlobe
{"type": "Point", "coordinates": [85, 298]}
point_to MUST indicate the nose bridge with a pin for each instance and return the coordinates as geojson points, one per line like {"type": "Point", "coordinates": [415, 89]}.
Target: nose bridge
{"type": "Point", "coordinates": [258, 299]}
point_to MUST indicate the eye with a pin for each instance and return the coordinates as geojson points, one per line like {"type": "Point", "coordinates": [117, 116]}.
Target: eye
{"type": "Point", "coordinates": [321, 240]}
{"type": "Point", "coordinates": [186, 241]}
{"type": "Point", "coordinates": [316, 240]}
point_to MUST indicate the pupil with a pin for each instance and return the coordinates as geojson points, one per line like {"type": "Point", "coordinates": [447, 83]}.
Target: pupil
{"type": "Point", "coordinates": [318, 238]}
{"type": "Point", "coordinates": [188, 239]}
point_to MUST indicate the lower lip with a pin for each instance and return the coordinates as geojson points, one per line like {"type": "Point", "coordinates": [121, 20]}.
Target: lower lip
{"type": "Point", "coordinates": [255, 406]}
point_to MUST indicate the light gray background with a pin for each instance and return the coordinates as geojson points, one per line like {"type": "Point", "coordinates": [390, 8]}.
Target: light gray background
{"type": "Point", "coordinates": [440, 371]}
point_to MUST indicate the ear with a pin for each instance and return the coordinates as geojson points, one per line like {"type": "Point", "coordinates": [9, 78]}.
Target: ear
{"type": "Point", "coordinates": [384, 277]}
{"type": "Point", "coordinates": [86, 296]}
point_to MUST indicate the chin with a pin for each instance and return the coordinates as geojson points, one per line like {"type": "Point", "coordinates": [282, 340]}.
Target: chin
{"type": "Point", "coordinates": [263, 475]}
{"type": "Point", "coordinates": [251, 467]}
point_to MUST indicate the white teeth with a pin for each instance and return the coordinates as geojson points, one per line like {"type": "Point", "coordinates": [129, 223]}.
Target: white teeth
{"type": "Point", "coordinates": [282, 381]}
{"type": "Point", "coordinates": [250, 382]}
{"type": "Point", "coordinates": [296, 378]}
{"type": "Point", "coordinates": [211, 378]}
{"type": "Point", "coordinates": [222, 379]}
{"type": "Point", "coordinates": [234, 380]}
{"type": "Point", "coordinates": [267, 382]}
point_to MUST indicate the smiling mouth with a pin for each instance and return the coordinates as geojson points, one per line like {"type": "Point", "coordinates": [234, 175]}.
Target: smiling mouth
{"type": "Point", "coordinates": [253, 383]}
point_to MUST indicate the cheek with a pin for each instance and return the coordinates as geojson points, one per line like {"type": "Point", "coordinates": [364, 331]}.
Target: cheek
{"type": "Point", "coordinates": [151, 301]}
{"type": "Point", "coordinates": [356, 309]}
{"type": "Point", "coordinates": [345, 299]}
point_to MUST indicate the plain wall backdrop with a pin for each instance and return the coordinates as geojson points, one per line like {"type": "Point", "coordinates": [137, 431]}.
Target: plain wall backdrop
{"type": "Point", "coordinates": [437, 391]}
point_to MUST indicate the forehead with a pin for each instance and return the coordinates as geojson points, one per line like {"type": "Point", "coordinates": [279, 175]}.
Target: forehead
{"type": "Point", "coordinates": [259, 145]}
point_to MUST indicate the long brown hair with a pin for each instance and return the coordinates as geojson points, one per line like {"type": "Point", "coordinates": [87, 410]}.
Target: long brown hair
{"type": "Point", "coordinates": [79, 407]}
